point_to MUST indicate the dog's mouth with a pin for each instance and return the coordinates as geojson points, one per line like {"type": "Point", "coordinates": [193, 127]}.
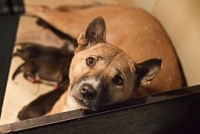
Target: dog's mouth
{"type": "Point", "coordinates": [86, 104]}
{"type": "Point", "coordinates": [80, 101]}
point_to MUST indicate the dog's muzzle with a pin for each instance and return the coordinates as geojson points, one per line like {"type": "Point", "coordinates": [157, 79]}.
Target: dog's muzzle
{"type": "Point", "coordinates": [88, 93]}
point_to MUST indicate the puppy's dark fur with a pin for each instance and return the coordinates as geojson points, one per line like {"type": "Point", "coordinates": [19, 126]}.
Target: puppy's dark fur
{"type": "Point", "coordinates": [47, 63]}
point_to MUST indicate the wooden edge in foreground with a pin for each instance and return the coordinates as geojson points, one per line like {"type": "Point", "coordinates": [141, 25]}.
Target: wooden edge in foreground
{"type": "Point", "coordinates": [166, 112]}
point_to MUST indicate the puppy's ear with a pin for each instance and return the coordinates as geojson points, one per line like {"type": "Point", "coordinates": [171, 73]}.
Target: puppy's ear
{"type": "Point", "coordinates": [147, 70]}
{"type": "Point", "coordinates": [95, 33]}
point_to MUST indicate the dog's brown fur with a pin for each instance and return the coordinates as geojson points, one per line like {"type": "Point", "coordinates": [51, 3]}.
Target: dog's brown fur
{"type": "Point", "coordinates": [133, 30]}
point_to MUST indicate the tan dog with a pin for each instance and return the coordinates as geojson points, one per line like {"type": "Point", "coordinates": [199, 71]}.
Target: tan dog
{"type": "Point", "coordinates": [102, 74]}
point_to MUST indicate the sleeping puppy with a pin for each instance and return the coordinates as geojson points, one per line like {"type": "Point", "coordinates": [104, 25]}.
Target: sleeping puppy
{"type": "Point", "coordinates": [40, 60]}
{"type": "Point", "coordinates": [43, 63]}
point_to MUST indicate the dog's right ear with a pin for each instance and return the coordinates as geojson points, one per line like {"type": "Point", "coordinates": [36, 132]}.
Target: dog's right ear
{"type": "Point", "coordinates": [147, 70]}
{"type": "Point", "coordinates": [95, 33]}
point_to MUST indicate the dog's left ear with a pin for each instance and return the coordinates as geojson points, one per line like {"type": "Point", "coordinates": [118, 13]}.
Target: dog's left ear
{"type": "Point", "coordinates": [147, 70]}
{"type": "Point", "coordinates": [95, 33]}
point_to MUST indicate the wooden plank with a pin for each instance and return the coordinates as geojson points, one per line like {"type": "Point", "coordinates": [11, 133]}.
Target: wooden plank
{"type": "Point", "coordinates": [175, 111]}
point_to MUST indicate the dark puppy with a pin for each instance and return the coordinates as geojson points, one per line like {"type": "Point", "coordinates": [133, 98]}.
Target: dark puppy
{"type": "Point", "coordinates": [40, 61]}
{"type": "Point", "coordinates": [43, 63]}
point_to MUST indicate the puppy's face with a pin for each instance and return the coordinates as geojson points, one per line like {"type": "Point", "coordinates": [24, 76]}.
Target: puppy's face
{"type": "Point", "coordinates": [102, 74]}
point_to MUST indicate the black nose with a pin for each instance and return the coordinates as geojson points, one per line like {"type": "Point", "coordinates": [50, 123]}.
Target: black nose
{"type": "Point", "coordinates": [88, 92]}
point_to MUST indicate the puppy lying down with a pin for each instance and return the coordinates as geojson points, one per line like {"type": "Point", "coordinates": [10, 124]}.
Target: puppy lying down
{"type": "Point", "coordinates": [103, 73]}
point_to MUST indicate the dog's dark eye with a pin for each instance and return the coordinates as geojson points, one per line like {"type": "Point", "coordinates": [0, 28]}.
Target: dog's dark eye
{"type": "Point", "coordinates": [91, 62]}
{"type": "Point", "coordinates": [118, 80]}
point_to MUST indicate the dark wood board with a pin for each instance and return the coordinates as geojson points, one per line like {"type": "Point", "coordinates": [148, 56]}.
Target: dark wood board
{"type": "Point", "coordinates": [175, 111]}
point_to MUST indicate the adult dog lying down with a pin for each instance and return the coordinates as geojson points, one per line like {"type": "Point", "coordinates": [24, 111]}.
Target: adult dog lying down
{"type": "Point", "coordinates": [102, 74]}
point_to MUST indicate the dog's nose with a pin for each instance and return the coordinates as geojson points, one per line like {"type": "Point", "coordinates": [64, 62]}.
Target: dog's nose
{"type": "Point", "coordinates": [88, 92]}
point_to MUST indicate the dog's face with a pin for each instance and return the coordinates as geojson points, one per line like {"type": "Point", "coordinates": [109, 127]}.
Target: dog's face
{"type": "Point", "coordinates": [102, 74]}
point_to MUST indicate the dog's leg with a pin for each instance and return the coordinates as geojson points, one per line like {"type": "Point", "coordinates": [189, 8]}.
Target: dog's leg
{"type": "Point", "coordinates": [41, 105]}
{"type": "Point", "coordinates": [57, 32]}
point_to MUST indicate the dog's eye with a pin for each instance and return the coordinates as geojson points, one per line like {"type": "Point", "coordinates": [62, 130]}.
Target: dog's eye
{"type": "Point", "coordinates": [118, 80]}
{"type": "Point", "coordinates": [91, 62]}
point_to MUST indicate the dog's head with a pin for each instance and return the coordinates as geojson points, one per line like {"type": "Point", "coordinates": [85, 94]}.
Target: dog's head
{"type": "Point", "coordinates": [102, 74]}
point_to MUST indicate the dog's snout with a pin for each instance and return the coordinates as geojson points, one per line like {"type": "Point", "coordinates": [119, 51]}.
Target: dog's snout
{"type": "Point", "coordinates": [88, 92]}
